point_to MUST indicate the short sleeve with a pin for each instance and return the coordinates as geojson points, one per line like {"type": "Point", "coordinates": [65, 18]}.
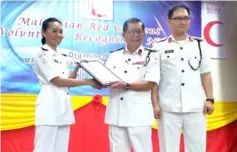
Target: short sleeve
{"type": "Point", "coordinates": [206, 60]}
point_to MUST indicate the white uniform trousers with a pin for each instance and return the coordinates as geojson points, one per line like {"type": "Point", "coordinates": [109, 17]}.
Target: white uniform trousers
{"type": "Point", "coordinates": [51, 138]}
{"type": "Point", "coordinates": [122, 138]}
{"type": "Point", "coordinates": [194, 130]}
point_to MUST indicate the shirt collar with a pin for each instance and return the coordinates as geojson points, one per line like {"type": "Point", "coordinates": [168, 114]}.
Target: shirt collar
{"type": "Point", "coordinates": [50, 50]}
{"type": "Point", "coordinates": [139, 50]}
{"type": "Point", "coordinates": [188, 39]}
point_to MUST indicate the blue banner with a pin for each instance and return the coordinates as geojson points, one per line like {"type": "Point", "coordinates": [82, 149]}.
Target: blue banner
{"type": "Point", "coordinates": [85, 38]}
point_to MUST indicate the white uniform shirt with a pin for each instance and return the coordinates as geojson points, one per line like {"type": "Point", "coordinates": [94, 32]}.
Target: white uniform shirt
{"type": "Point", "coordinates": [180, 87]}
{"type": "Point", "coordinates": [127, 107]}
{"type": "Point", "coordinates": [53, 105]}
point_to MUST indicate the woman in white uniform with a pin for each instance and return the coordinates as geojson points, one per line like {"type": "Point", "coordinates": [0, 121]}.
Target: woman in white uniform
{"type": "Point", "coordinates": [54, 113]}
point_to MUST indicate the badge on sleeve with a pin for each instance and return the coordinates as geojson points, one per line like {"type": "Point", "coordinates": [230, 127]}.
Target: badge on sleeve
{"type": "Point", "coordinates": [44, 60]}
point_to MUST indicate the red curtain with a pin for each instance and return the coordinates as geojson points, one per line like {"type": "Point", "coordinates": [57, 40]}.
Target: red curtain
{"type": "Point", "coordinates": [89, 134]}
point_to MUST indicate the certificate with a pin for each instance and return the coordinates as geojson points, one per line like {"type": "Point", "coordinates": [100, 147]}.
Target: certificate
{"type": "Point", "coordinates": [99, 72]}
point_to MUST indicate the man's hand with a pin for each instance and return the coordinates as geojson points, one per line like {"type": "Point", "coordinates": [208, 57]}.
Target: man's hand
{"type": "Point", "coordinates": [118, 85]}
{"type": "Point", "coordinates": [208, 108]}
{"type": "Point", "coordinates": [157, 111]}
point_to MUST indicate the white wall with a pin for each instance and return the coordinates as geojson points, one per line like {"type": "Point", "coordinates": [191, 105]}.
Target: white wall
{"type": "Point", "coordinates": [225, 71]}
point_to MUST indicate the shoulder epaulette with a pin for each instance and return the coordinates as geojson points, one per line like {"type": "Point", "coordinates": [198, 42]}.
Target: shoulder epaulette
{"type": "Point", "coordinates": [44, 49]}
{"type": "Point", "coordinates": [162, 39]}
{"type": "Point", "coordinates": [117, 50]}
{"type": "Point", "coordinates": [197, 38]}
{"type": "Point", "coordinates": [148, 49]}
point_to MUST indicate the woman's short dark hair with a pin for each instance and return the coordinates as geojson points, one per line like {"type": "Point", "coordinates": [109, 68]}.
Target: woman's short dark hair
{"type": "Point", "coordinates": [173, 9]}
{"type": "Point", "coordinates": [45, 26]}
{"type": "Point", "coordinates": [132, 20]}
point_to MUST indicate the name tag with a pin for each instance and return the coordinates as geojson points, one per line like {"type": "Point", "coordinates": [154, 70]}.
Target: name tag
{"type": "Point", "coordinates": [139, 63]}
{"type": "Point", "coordinates": [169, 51]}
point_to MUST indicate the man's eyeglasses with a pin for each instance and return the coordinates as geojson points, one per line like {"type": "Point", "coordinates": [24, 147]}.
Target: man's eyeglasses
{"type": "Point", "coordinates": [179, 18]}
{"type": "Point", "coordinates": [135, 32]}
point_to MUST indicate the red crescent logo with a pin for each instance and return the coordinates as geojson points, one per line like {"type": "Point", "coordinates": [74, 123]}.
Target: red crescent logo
{"type": "Point", "coordinates": [207, 33]}
{"type": "Point", "coordinates": [94, 13]}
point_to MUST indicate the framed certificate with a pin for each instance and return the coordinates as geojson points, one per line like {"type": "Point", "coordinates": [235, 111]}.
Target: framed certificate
{"type": "Point", "coordinates": [99, 72]}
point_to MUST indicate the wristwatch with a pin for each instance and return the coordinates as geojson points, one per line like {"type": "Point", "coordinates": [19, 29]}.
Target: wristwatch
{"type": "Point", "coordinates": [127, 86]}
{"type": "Point", "coordinates": [211, 100]}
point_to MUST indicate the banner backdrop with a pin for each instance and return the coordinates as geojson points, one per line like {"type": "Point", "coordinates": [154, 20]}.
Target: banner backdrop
{"type": "Point", "coordinates": [85, 38]}
{"type": "Point", "coordinates": [91, 30]}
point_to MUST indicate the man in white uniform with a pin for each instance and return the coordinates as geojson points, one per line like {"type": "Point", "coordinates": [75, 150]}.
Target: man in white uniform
{"type": "Point", "coordinates": [129, 112]}
{"type": "Point", "coordinates": [185, 74]}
